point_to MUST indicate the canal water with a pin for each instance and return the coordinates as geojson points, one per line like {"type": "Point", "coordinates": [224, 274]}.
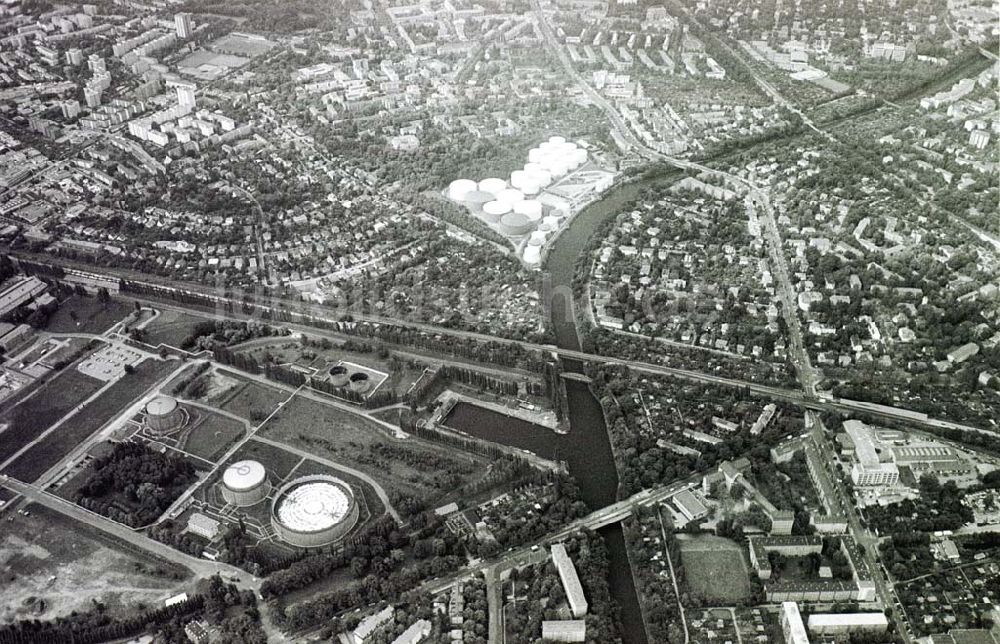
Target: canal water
{"type": "Point", "coordinates": [587, 447]}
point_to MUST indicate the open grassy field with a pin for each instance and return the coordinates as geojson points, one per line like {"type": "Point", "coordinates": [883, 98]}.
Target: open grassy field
{"type": "Point", "coordinates": [172, 328]}
{"type": "Point", "coordinates": [410, 466]}
{"type": "Point", "coordinates": [47, 453]}
{"type": "Point", "coordinates": [91, 315]}
{"type": "Point", "coordinates": [19, 425]}
{"type": "Point", "coordinates": [248, 399]}
{"type": "Point", "coordinates": [714, 569]}
{"type": "Point", "coordinates": [210, 434]}
{"type": "Point", "coordinates": [51, 565]}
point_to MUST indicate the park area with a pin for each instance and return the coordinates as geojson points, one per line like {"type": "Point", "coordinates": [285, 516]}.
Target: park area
{"type": "Point", "coordinates": [404, 466]}
{"type": "Point", "coordinates": [39, 458]}
{"type": "Point", "coordinates": [51, 566]}
{"type": "Point", "coordinates": [714, 569]}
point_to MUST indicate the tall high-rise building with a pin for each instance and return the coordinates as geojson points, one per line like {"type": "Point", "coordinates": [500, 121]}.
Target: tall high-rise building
{"type": "Point", "coordinates": [74, 57]}
{"type": "Point", "coordinates": [70, 108]}
{"type": "Point", "coordinates": [92, 95]}
{"type": "Point", "coordinates": [185, 96]}
{"type": "Point", "coordinates": [183, 24]}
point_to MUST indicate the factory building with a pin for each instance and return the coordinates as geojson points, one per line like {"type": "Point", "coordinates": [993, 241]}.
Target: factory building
{"type": "Point", "coordinates": [570, 580]}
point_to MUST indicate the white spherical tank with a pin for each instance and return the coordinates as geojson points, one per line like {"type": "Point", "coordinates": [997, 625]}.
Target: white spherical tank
{"type": "Point", "coordinates": [510, 195]}
{"type": "Point", "coordinates": [532, 255]}
{"type": "Point", "coordinates": [245, 483]}
{"type": "Point", "coordinates": [494, 210]}
{"type": "Point", "coordinates": [459, 188]}
{"type": "Point", "coordinates": [492, 185]}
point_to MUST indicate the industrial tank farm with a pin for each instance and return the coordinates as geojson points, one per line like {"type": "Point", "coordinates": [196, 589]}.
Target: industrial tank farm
{"type": "Point", "coordinates": [314, 511]}
{"type": "Point", "coordinates": [534, 198]}
{"type": "Point", "coordinates": [245, 483]}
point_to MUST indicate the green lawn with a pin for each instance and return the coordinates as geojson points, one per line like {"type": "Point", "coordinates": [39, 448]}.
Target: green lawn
{"type": "Point", "coordinates": [210, 434]}
{"type": "Point", "coordinates": [714, 569]}
{"type": "Point", "coordinates": [34, 415]}
{"type": "Point", "coordinates": [47, 453]}
{"type": "Point", "coordinates": [91, 315]}
{"type": "Point", "coordinates": [171, 328]}
{"type": "Point", "coordinates": [410, 466]}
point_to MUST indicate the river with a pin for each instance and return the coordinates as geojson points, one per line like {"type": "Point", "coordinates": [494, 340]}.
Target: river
{"type": "Point", "coordinates": [587, 447]}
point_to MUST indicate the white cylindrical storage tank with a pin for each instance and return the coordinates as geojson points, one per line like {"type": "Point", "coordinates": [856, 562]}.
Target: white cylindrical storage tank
{"type": "Point", "coordinates": [580, 155]}
{"type": "Point", "coordinates": [515, 224]}
{"type": "Point", "coordinates": [163, 414]}
{"type": "Point", "coordinates": [541, 176]}
{"type": "Point", "coordinates": [545, 227]}
{"type": "Point", "coordinates": [535, 154]}
{"type": "Point", "coordinates": [477, 198]}
{"type": "Point", "coordinates": [530, 188]}
{"type": "Point", "coordinates": [553, 222]}
{"type": "Point", "coordinates": [538, 237]}
{"type": "Point", "coordinates": [459, 188]}
{"type": "Point", "coordinates": [492, 185]}
{"type": "Point", "coordinates": [314, 511]}
{"type": "Point", "coordinates": [510, 195]}
{"type": "Point", "coordinates": [557, 139]}
{"type": "Point", "coordinates": [532, 255]}
{"type": "Point", "coordinates": [528, 208]}
{"type": "Point", "coordinates": [518, 177]}
{"type": "Point", "coordinates": [494, 210]}
{"type": "Point", "coordinates": [558, 169]}
{"type": "Point", "coordinates": [533, 167]}
{"type": "Point", "coordinates": [245, 483]}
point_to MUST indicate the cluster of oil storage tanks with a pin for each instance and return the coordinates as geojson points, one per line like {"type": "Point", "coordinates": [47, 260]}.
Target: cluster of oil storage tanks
{"type": "Point", "coordinates": [511, 205]}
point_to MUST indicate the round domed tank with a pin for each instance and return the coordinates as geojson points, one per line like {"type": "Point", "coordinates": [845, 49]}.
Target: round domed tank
{"type": "Point", "coordinates": [477, 198]}
{"type": "Point", "coordinates": [360, 381]}
{"type": "Point", "coordinates": [537, 238]}
{"type": "Point", "coordinates": [338, 375]}
{"type": "Point", "coordinates": [459, 188]}
{"type": "Point", "coordinates": [553, 222]}
{"type": "Point", "coordinates": [245, 483]}
{"type": "Point", "coordinates": [535, 155]}
{"type": "Point", "coordinates": [510, 195]}
{"type": "Point", "coordinates": [517, 178]}
{"type": "Point", "coordinates": [528, 207]}
{"type": "Point", "coordinates": [515, 224]}
{"type": "Point", "coordinates": [557, 139]}
{"type": "Point", "coordinates": [493, 210]}
{"type": "Point", "coordinates": [530, 188]}
{"type": "Point", "coordinates": [532, 167]}
{"type": "Point", "coordinates": [532, 255]}
{"type": "Point", "coordinates": [545, 226]}
{"type": "Point", "coordinates": [492, 185]}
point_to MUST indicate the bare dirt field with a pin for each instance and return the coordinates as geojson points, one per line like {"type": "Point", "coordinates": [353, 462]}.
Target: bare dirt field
{"type": "Point", "coordinates": [51, 566]}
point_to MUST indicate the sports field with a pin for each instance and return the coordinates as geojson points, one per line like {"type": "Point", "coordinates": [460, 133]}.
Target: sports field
{"type": "Point", "coordinates": [714, 569]}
